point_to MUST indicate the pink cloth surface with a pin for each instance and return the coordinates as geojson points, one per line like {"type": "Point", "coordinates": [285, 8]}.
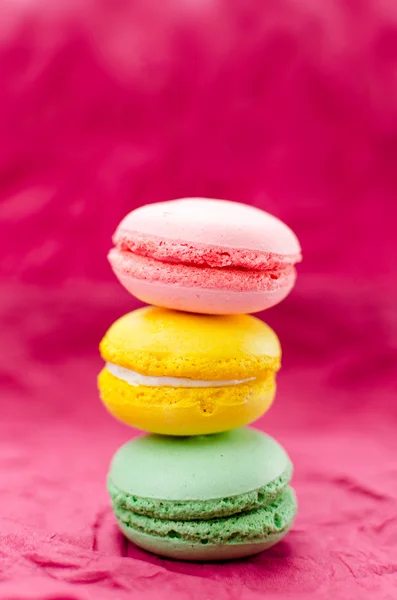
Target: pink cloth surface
{"type": "Point", "coordinates": [290, 106]}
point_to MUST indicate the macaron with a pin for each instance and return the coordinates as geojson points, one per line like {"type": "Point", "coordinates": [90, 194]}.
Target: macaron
{"type": "Point", "coordinates": [205, 256]}
{"type": "Point", "coordinates": [179, 373]}
{"type": "Point", "coordinates": [203, 498]}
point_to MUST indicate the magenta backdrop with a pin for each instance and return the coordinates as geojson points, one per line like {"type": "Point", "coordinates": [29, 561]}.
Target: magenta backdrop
{"type": "Point", "coordinates": [287, 105]}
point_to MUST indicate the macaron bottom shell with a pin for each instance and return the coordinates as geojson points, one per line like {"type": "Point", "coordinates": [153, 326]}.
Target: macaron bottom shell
{"type": "Point", "coordinates": [180, 550]}
{"type": "Point", "coordinates": [182, 411]}
{"type": "Point", "coordinates": [199, 299]}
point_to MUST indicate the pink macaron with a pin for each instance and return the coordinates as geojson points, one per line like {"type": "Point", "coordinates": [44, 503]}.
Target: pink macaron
{"type": "Point", "coordinates": [205, 256]}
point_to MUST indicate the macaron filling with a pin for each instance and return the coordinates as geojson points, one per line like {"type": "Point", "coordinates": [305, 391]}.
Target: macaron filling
{"type": "Point", "coordinates": [136, 379]}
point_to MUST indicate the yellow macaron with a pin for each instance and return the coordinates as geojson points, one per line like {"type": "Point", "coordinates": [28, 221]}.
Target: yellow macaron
{"type": "Point", "coordinates": [179, 373]}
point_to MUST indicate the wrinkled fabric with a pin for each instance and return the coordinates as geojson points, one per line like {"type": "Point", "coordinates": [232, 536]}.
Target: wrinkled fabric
{"type": "Point", "coordinates": [290, 106]}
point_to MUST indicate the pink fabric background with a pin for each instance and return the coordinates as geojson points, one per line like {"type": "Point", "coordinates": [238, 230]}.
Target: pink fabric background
{"type": "Point", "coordinates": [291, 106]}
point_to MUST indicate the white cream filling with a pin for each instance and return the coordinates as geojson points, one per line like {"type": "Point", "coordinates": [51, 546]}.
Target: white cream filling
{"type": "Point", "coordinates": [134, 378]}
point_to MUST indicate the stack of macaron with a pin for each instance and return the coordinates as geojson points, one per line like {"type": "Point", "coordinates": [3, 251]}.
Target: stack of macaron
{"type": "Point", "coordinates": [192, 370]}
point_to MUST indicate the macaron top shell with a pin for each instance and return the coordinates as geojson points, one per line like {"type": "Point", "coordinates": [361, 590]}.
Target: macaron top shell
{"type": "Point", "coordinates": [199, 467]}
{"type": "Point", "coordinates": [161, 342]}
{"type": "Point", "coordinates": [217, 233]}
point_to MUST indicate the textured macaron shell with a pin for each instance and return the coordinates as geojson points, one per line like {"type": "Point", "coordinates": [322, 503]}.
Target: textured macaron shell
{"type": "Point", "coordinates": [250, 525]}
{"type": "Point", "coordinates": [234, 279]}
{"type": "Point", "coordinates": [208, 222]}
{"type": "Point", "coordinates": [265, 525]}
{"type": "Point", "coordinates": [159, 342]}
{"type": "Point", "coordinates": [201, 289]}
{"type": "Point", "coordinates": [198, 468]}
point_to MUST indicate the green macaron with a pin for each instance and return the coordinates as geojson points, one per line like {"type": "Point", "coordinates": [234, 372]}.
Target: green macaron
{"type": "Point", "coordinates": [210, 497]}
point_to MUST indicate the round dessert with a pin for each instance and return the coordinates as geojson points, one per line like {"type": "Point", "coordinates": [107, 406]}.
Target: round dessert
{"type": "Point", "coordinates": [203, 498]}
{"type": "Point", "coordinates": [188, 374]}
{"type": "Point", "coordinates": [205, 256]}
